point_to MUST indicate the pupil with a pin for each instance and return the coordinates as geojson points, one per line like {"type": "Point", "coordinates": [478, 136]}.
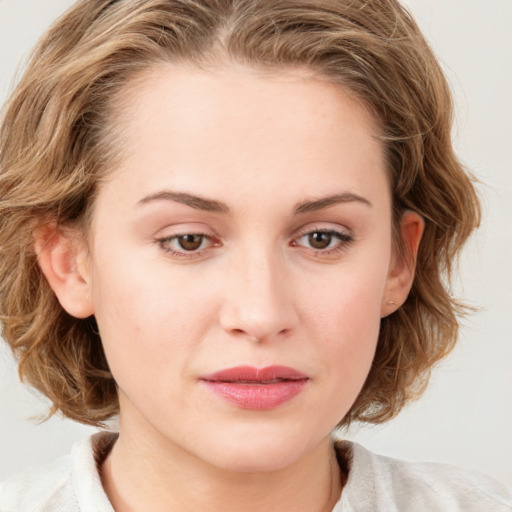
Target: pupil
{"type": "Point", "coordinates": [190, 242]}
{"type": "Point", "coordinates": [320, 240]}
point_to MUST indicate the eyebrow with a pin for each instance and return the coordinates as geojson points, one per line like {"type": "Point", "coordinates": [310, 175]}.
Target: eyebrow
{"type": "Point", "coordinates": [325, 202]}
{"type": "Point", "coordinates": [211, 205]}
{"type": "Point", "coordinates": [197, 202]}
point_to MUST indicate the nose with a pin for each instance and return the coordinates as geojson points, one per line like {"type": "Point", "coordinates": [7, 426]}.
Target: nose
{"type": "Point", "coordinates": [258, 303]}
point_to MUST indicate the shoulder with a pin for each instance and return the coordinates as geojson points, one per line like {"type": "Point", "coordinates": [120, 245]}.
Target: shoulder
{"type": "Point", "coordinates": [395, 485]}
{"type": "Point", "coordinates": [70, 484]}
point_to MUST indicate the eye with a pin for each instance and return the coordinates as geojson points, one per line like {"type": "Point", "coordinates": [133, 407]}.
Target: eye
{"type": "Point", "coordinates": [324, 240]}
{"type": "Point", "coordinates": [186, 244]}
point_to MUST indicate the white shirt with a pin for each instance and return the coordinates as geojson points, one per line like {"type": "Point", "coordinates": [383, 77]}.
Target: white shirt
{"type": "Point", "coordinates": [375, 484]}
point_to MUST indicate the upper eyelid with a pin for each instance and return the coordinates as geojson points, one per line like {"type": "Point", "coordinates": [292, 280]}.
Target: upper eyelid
{"type": "Point", "coordinates": [172, 231]}
{"type": "Point", "coordinates": [327, 231]}
{"type": "Point", "coordinates": [324, 229]}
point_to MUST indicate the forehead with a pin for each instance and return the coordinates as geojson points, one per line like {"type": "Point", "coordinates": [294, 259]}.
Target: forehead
{"type": "Point", "coordinates": [180, 125]}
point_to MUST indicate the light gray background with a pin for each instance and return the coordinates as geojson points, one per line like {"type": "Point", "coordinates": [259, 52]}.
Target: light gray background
{"type": "Point", "coordinates": [465, 418]}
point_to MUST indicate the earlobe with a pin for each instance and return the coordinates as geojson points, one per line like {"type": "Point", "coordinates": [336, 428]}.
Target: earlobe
{"type": "Point", "coordinates": [403, 265]}
{"type": "Point", "coordinates": [62, 257]}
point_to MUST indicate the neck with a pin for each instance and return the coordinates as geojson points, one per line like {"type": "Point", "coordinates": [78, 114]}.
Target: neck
{"type": "Point", "coordinates": [139, 474]}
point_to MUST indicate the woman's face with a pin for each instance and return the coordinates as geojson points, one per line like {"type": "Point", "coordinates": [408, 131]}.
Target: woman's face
{"type": "Point", "coordinates": [248, 224]}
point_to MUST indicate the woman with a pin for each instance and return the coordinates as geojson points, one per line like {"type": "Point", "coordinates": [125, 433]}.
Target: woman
{"type": "Point", "coordinates": [235, 222]}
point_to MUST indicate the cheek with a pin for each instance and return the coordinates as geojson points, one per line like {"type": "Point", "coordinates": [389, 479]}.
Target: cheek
{"type": "Point", "coordinates": [351, 336]}
{"type": "Point", "coordinates": [148, 324]}
{"type": "Point", "coordinates": [344, 324]}
{"type": "Point", "coordinates": [347, 301]}
{"type": "Point", "coordinates": [345, 318]}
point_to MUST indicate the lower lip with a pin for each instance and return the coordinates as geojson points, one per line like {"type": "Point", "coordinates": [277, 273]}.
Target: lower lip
{"type": "Point", "coordinates": [257, 396]}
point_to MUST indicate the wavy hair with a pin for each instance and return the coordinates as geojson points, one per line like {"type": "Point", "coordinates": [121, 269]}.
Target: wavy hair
{"type": "Point", "coordinates": [55, 147]}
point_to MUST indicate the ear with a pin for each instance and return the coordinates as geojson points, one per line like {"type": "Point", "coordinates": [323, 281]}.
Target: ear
{"type": "Point", "coordinates": [403, 264]}
{"type": "Point", "coordinates": [63, 258]}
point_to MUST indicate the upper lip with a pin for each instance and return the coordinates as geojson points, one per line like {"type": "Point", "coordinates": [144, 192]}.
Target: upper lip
{"type": "Point", "coordinates": [251, 374]}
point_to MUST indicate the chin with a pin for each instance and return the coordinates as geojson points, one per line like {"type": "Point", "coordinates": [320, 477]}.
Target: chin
{"type": "Point", "coordinates": [245, 461]}
{"type": "Point", "coordinates": [260, 451]}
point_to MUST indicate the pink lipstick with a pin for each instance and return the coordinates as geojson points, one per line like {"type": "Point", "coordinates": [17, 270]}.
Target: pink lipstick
{"type": "Point", "coordinates": [257, 389]}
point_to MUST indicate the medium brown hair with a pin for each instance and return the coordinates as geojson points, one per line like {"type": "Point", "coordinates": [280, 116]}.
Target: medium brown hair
{"type": "Point", "coordinates": [54, 149]}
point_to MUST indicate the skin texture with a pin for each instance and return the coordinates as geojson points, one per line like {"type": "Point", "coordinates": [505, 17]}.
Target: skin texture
{"type": "Point", "coordinates": [263, 149]}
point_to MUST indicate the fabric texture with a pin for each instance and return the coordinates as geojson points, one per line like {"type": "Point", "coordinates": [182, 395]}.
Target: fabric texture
{"type": "Point", "coordinates": [375, 484]}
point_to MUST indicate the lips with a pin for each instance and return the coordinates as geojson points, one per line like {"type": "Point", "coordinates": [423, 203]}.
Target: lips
{"type": "Point", "coordinates": [256, 388]}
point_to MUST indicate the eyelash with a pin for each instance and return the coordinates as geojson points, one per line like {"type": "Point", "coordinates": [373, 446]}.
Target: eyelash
{"type": "Point", "coordinates": [344, 241]}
